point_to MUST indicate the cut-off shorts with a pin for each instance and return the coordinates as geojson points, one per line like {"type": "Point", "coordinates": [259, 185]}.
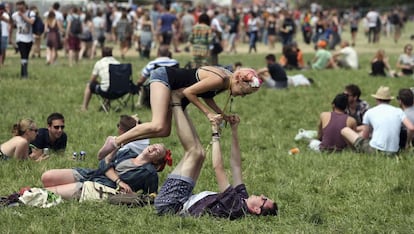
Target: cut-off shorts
{"type": "Point", "coordinates": [159, 75]}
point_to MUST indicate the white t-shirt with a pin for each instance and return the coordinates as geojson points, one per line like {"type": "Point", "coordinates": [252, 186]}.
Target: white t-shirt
{"type": "Point", "coordinates": [372, 18]}
{"type": "Point", "coordinates": [115, 18]}
{"type": "Point", "coordinates": [350, 57]}
{"type": "Point", "coordinates": [404, 59]}
{"type": "Point", "coordinates": [58, 15]}
{"type": "Point", "coordinates": [215, 23]}
{"type": "Point", "coordinates": [101, 69]}
{"type": "Point", "coordinates": [23, 29]}
{"type": "Point", "coordinates": [385, 121]}
{"type": "Point", "coordinates": [5, 25]}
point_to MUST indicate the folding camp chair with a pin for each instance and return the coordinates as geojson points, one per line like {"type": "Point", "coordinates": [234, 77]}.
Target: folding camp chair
{"type": "Point", "coordinates": [120, 85]}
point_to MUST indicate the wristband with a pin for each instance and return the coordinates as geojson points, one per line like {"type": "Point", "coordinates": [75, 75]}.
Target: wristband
{"type": "Point", "coordinates": [117, 181]}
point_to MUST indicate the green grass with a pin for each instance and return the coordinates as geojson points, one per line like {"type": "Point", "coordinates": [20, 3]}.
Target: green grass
{"type": "Point", "coordinates": [316, 193]}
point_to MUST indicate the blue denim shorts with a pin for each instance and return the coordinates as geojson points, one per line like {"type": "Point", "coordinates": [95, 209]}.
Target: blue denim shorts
{"type": "Point", "coordinates": [81, 174]}
{"type": "Point", "coordinates": [159, 75]}
{"type": "Point", "coordinates": [4, 43]}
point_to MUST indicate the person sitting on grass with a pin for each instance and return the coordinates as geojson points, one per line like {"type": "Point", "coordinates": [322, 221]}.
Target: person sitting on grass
{"type": "Point", "coordinates": [205, 82]}
{"type": "Point", "coordinates": [53, 137]}
{"type": "Point", "coordinates": [380, 65]}
{"type": "Point", "coordinates": [406, 61]}
{"type": "Point", "coordinates": [101, 70]}
{"type": "Point", "coordinates": [349, 56]}
{"type": "Point", "coordinates": [385, 122]}
{"type": "Point", "coordinates": [331, 124]}
{"type": "Point", "coordinates": [356, 107]}
{"type": "Point", "coordinates": [406, 100]}
{"type": "Point", "coordinates": [130, 169]}
{"type": "Point", "coordinates": [276, 72]}
{"type": "Point", "coordinates": [292, 57]}
{"type": "Point", "coordinates": [232, 202]}
{"type": "Point", "coordinates": [323, 58]}
{"type": "Point", "coordinates": [18, 146]}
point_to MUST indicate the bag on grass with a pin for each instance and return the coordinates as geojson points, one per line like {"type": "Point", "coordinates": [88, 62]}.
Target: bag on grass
{"type": "Point", "coordinates": [93, 191]}
{"type": "Point", "coordinates": [10, 200]}
{"type": "Point", "coordinates": [132, 199]}
{"type": "Point", "coordinates": [39, 197]}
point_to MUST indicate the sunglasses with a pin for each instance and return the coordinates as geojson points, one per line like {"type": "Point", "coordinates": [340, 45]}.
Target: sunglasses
{"type": "Point", "coordinates": [264, 202]}
{"type": "Point", "coordinates": [59, 126]}
{"type": "Point", "coordinates": [33, 129]}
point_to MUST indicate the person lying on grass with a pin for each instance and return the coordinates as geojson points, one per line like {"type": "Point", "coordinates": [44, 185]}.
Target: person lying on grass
{"type": "Point", "coordinates": [205, 82]}
{"type": "Point", "coordinates": [133, 167]}
{"type": "Point", "coordinates": [233, 201]}
{"type": "Point", "coordinates": [18, 146]}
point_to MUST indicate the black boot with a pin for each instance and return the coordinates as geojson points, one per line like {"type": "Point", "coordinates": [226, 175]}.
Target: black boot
{"type": "Point", "coordinates": [23, 71]}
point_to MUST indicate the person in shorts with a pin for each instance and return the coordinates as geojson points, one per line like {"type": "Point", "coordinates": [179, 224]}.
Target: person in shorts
{"type": "Point", "coordinates": [233, 201]}
{"type": "Point", "coordinates": [385, 121]}
{"type": "Point", "coordinates": [134, 167]}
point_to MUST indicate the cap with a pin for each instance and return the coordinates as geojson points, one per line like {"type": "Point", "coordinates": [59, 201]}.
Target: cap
{"type": "Point", "coordinates": [322, 43]}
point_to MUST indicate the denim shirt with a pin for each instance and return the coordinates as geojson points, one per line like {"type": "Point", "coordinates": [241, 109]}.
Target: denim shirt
{"type": "Point", "coordinates": [143, 177]}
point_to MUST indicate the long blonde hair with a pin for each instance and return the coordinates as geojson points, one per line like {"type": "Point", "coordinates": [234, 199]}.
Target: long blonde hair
{"type": "Point", "coordinates": [22, 126]}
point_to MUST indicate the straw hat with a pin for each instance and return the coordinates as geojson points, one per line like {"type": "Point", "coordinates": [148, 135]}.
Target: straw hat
{"type": "Point", "coordinates": [383, 93]}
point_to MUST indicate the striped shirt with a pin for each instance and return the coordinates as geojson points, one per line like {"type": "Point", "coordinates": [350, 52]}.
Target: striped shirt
{"type": "Point", "coordinates": [158, 62]}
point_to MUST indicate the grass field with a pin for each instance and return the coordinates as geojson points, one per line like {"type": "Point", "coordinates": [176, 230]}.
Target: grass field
{"type": "Point", "coordinates": [316, 193]}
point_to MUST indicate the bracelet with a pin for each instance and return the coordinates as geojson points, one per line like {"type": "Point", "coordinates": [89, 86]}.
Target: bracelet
{"type": "Point", "coordinates": [117, 181]}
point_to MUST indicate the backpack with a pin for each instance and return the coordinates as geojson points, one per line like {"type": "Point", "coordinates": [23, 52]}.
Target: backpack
{"type": "Point", "coordinates": [38, 27]}
{"type": "Point", "coordinates": [76, 26]}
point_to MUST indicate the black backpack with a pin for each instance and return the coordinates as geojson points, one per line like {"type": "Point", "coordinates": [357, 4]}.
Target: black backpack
{"type": "Point", "coordinates": [38, 26]}
{"type": "Point", "coordinates": [76, 26]}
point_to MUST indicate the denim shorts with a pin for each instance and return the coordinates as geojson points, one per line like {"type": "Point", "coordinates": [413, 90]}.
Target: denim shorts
{"type": "Point", "coordinates": [159, 75]}
{"type": "Point", "coordinates": [81, 174]}
{"type": "Point", "coordinates": [4, 43]}
{"type": "Point", "coordinates": [173, 194]}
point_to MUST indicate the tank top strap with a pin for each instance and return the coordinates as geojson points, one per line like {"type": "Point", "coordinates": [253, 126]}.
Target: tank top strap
{"type": "Point", "coordinates": [224, 76]}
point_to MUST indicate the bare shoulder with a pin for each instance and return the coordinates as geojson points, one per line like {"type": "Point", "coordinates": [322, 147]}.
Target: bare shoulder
{"type": "Point", "coordinates": [19, 141]}
{"type": "Point", "coordinates": [351, 122]}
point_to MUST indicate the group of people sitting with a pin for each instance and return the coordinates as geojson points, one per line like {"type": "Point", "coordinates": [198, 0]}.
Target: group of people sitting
{"type": "Point", "coordinates": [381, 129]}
{"type": "Point", "coordinates": [347, 57]}
{"type": "Point", "coordinates": [405, 63]}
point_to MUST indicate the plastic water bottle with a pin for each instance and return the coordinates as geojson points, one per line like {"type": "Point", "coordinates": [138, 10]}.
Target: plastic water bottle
{"type": "Point", "coordinates": [46, 151]}
{"type": "Point", "coordinates": [82, 155]}
{"type": "Point", "coordinates": [75, 156]}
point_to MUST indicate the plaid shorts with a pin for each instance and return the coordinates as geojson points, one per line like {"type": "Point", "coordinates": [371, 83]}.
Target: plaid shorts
{"type": "Point", "coordinates": [173, 194]}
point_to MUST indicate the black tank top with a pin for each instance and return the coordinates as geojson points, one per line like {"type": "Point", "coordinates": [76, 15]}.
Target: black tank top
{"type": "Point", "coordinates": [181, 78]}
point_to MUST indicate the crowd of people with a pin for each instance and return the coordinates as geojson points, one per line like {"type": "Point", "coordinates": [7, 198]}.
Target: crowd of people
{"type": "Point", "coordinates": [129, 162]}
{"type": "Point", "coordinates": [204, 31]}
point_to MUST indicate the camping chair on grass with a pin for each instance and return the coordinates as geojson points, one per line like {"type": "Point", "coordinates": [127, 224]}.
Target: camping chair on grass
{"type": "Point", "coordinates": [121, 87]}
